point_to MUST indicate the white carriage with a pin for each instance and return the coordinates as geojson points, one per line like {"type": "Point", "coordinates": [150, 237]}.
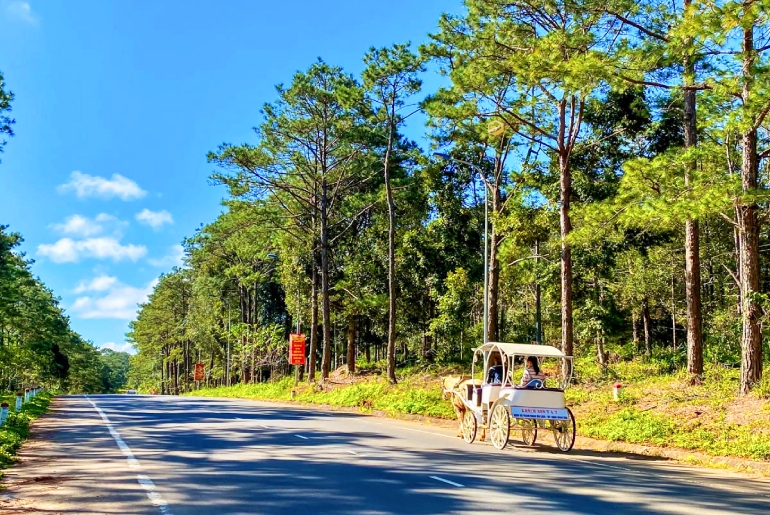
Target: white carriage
{"type": "Point", "coordinates": [503, 407]}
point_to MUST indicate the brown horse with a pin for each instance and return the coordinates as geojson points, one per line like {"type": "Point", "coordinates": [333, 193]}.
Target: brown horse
{"type": "Point", "coordinates": [454, 387]}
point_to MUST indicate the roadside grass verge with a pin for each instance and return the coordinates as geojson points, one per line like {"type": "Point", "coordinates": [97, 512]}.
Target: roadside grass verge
{"type": "Point", "coordinates": [16, 429]}
{"type": "Point", "coordinates": [658, 405]}
{"type": "Point", "coordinates": [663, 408]}
{"type": "Point", "coordinates": [410, 396]}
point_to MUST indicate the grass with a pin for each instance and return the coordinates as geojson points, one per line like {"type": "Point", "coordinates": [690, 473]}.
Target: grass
{"type": "Point", "coordinates": [658, 405]}
{"type": "Point", "coordinates": [374, 394]}
{"type": "Point", "coordinates": [16, 429]}
{"type": "Point", "coordinates": [662, 408]}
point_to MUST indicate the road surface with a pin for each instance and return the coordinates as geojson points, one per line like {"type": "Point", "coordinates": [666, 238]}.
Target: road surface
{"type": "Point", "coordinates": [188, 456]}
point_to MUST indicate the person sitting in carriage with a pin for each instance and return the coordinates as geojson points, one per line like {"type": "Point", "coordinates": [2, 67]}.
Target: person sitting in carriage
{"type": "Point", "coordinates": [533, 377]}
{"type": "Point", "coordinates": [495, 373]}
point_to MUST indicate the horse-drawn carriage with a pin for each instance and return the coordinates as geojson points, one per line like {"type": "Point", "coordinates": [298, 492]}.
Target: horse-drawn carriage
{"type": "Point", "coordinates": [502, 407]}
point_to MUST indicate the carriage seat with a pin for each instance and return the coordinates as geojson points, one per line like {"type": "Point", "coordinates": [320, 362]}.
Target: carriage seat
{"type": "Point", "coordinates": [536, 384]}
{"type": "Point", "coordinates": [490, 393]}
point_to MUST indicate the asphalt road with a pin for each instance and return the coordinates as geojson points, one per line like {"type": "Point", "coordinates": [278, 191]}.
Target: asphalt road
{"type": "Point", "coordinates": [190, 456]}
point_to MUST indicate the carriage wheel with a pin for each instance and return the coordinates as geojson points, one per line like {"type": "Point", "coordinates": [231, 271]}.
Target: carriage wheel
{"type": "Point", "coordinates": [564, 432]}
{"type": "Point", "coordinates": [528, 431]}
{"type": "Point", "coordinates": [469, 426]}
{"type": "Point", "coordinates": [500, 426]}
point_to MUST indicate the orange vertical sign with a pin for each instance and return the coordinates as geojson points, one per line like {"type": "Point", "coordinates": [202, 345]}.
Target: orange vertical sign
{"type": "Point", "coordinates": [297, 349]}
{"type": "Point", "coordinates": [200, 371]}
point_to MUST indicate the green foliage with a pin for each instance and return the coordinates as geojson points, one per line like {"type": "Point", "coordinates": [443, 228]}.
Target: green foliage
{"type": "Point", "coordinates": [115, 366]}
{"type": "Point", "coordinates": [6, 97]}
{"type": "Point", "coordinates": [37, 345]}
{"type": "Point", "coordinates": [16, 429]}
{"type": "Point", "coordinates": [331, 212]}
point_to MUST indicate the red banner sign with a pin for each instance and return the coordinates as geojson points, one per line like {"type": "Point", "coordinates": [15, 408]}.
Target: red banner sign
{"type": "Point", "coordinates": [297, 349]}
{"type": "Point", "coordinates": [200, 374]}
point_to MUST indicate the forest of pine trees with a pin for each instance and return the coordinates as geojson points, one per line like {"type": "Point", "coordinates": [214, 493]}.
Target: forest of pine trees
{"type": "Point", "coordinates": [624, 150]}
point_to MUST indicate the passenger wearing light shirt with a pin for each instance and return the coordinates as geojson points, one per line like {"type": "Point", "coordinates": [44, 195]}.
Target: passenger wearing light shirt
{"type": "Point", "coordinates": [532, 372]}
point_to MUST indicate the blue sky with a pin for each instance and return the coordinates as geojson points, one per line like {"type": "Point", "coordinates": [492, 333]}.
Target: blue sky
{"type": "Point", "coordinates": [117, 104]}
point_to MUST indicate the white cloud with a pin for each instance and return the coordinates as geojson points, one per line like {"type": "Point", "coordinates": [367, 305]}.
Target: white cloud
{"type": "Point", "coordinates": [105, 218]}
{"type": "Point", "coordinates": [119, 347]}
{"type": "Point", "coordinates": [154, 219]}
{"type": "Point", "coordinates": [101, 283]}
{"type": "Point", "coordinates": [86, 185]}
{"type": "Point", "coordinates": [120, 301]}
{"type": "Point", "coordinates": [19, 10]}
{"type": "Point", "coordinates": [83, 226]}
{"type": "Point", "coordinates": [170, 260]}
{"type": "Point", "coordinates": [67, 250]}
{"type": "Point", "coordinates": [79, 225]}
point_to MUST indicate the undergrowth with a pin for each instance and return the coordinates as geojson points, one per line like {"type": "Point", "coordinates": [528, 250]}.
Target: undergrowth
{"type": "Point", "coordinates": [658, 404]}
{"type": "Point", "coordinates": [374, 394]}
{"type": "Point", "coordinates": [16, 429]}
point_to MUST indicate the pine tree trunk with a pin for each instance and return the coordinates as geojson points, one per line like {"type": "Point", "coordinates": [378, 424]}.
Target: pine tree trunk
{"type": "Point", "coordinates": [163, 375]}
{"type": "Point", "coordinates": [565, 187]}
{"type": "Point", "coordinates": [427, 346]}
{"type": "Point", "coordinates": [211, 369]}
{"type": "Point", "coordinates": [673, 314]}
{"type": "Point", "coordinates": [176, 376]}
{"type": "Point", "coordinates": [748, 227]}
{"type": "Point", "coordinates": [647, 327]}
{"type": "Point", "coordinates": [391, 264]}
{"type": "Point", "coordinates": [691, 231]}
{"type": "Point", "coordinates": [601, 337]}
{"type": "Point", "coordinates": [635, 330]}
{"type": "Point", "coordinates": [601, 354]}
{"type": "Point", "coordinates": [538, 308]}
{"type": "Point", "coordinates": [186, 366]}
{"type": "Point", "coordinates": [253, 359]}
{"type": "Point", "coordinates": [325, 300]}
{"type": "Point", "coordinates": [427, 338]}
{"type": "Point", "coordinates": [494, 278]}
{"type": "Point", "coordinates": [368, 342]}
{"type": "Point", "coordinates": [738, 246]}
{"type": "Point", "coordinates": [351, 358]}
{"type": "Point", "coordinates": [311, 360]}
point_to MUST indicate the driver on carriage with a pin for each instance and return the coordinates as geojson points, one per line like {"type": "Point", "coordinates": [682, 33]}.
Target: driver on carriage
{"type": "Point", "coordinates": [495, 373]}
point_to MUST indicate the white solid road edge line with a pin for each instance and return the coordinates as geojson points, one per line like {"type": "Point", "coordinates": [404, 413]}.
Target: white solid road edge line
{"type": "Point", "coordinates": [133, 464]}
{"type": "Point", "coordinates": [446, 481]}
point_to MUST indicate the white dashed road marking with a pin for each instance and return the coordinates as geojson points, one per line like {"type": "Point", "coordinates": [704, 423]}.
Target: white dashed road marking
{"type": "Point", "coordinates": [133, 464]}
{"type": "Point", "coordinates": [303, 437]}
{"type": "Point", "coordinates": [447, 481]}
{"type": "Point", "coordinates": [421, 431]}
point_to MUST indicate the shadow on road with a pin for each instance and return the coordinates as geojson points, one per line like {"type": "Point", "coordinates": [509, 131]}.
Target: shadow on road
{"type": "Point", "coordinates": [206, 461]}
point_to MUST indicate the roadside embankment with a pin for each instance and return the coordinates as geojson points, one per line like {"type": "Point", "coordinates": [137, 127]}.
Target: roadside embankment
{"type": "Point", "coordinates": [16, 429]}
{"type": "Point", "coordinates": [659, 412]}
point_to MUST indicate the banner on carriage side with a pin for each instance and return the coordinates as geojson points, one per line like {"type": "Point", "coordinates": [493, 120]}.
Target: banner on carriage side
{"type": "Point", "coordinates": [296, 349]}
{"type": "Point", "coordinates": [200, 373]}
{"type": "Point", "coordinates": [540, 413]}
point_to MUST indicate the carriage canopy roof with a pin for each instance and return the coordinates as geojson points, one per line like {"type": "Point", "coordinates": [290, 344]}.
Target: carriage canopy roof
{"type": "Point", "coordinates": [523, 349]}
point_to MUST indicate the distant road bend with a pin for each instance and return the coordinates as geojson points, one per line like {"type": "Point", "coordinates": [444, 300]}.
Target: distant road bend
{"type": "Point", "coordinates": [154, 455]}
